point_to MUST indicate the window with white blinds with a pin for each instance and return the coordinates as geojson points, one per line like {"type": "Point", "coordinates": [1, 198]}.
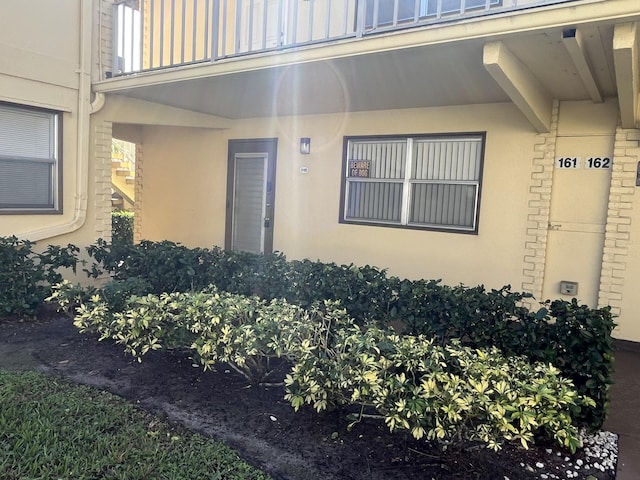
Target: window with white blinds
{"type": "Point", "coordinates": [29, 159]}
{"type": "Point", "coordinates": [417, 182]}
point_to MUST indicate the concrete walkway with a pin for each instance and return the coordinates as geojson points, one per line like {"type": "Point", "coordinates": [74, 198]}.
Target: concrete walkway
{"type": "Point", "coordinates": [624, 412]}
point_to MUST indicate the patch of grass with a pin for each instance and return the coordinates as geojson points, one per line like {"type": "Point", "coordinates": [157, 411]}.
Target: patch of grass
{"type": "Point", "coordinates": [52, 429]}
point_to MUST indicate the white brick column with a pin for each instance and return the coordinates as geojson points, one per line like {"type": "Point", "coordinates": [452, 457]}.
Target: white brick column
{"type": "Point", "coordinates": [626, 154]}
{"type": "Point", "coordinates": [539, 206]}
{"type": "Point", "coordinates": [102, 179]}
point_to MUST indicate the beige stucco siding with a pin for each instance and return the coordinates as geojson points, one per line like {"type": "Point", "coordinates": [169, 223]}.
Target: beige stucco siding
{"type": "Point", "coordinates": [312, 228]}
{"type": "Point", "coordinates": [43, 66]}
{"type": "Point", "coordinates": [579, 199]}
{"type": "Point", "coordinates": [185, 192]}
{"type": "Point", "coordinates": [538, 224]}
{"type": "Point", "coordinates": [588, 224]}
{"type": "Point", "coordinates": [43, 19]}
{"type": "Point", "coordinates": [40, 41]}
{"type": "Point", "coordinates": [184, 186]}
{"type": "Point", "coordinates": [36, 71]}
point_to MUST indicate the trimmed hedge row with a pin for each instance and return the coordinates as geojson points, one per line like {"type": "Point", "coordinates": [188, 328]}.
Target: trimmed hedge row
{"type": "Point", "coordinates": [574, 337]}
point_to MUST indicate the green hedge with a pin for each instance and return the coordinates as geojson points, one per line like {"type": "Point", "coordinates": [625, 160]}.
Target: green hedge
{"type": "Point", "coordinates": [575, 338]}
{"type": "Point", "coordinates": [26, 276]}
{"type": "Point", "coordinates": [366, 292]}
{"type": "Point", "coordinates": [122, 227]}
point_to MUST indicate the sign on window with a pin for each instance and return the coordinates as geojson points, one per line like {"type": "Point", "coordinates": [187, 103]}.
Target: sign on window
{"type": "Point", "coordinates": [360, 168]}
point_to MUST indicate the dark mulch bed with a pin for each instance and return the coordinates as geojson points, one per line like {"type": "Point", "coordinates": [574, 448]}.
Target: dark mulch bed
{"type": "Point", "coordinates": [256, 420]}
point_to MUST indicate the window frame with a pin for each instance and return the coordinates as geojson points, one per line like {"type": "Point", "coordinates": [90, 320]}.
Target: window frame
{"type": "Point", "coordinates": [56, 174]}
{"type": "Point", "coordinates": [425, 11]}
{"type": "Point", "coordinates": [407, 181]}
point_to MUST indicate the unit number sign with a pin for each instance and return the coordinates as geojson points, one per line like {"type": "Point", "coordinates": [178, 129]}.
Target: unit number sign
{"type": "Point", "coordinates": [598, 163]}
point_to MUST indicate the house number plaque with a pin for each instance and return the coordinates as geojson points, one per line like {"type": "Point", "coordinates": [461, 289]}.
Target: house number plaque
{"type": "Point", "coordinates": [594, 163]}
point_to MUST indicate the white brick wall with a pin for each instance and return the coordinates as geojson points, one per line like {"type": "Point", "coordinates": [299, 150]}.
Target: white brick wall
{"type": "Point", "coordinates": [539, 205]}
{"type": "Point", "coordinates": [626, 154]}
{"type": "Point", "coordinates": [102, 179]}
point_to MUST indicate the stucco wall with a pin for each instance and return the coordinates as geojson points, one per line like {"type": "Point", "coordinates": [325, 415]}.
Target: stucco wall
{"type": "Point", "coordinates": [579, 198]}
{"type": "Point", "coordinates": [184, 186]}
{"type": "Point", "coordinates": [29, 25]}
{"type": "Point", "coordinates": [184, 183]}
{"type": "Point", "coordinates": [38, 71]}
{"type": "Point", "coordinates": [185, 192]}
{"type": "Point", "coordinates": [582, 221]}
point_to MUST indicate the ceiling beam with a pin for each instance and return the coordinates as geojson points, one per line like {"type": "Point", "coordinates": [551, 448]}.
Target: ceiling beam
{"type": "Point", "coordinates": [572, 39]}
{"type": "Point", "coordinates": [625, 60]}
{"type": "Point", "coordinates": [522, 87]}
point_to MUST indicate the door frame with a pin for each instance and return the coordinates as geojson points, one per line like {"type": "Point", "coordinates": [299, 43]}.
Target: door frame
{"type": "Point", "coordinates": [259, 146]}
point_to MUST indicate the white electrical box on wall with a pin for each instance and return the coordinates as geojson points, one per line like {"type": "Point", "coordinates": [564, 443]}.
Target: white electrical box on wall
{"type": "Point", "coordinates": [568, 288]}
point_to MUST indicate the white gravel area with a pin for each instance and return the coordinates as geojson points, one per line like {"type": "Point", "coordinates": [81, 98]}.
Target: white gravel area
{"type": "Point", "coordinates": [597, 459]}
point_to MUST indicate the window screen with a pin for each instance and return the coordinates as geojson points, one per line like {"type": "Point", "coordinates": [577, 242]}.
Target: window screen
{"type": "Point", "coordinates": [417, 182]}
{"type": "Point", "coordinates": [29, 159]}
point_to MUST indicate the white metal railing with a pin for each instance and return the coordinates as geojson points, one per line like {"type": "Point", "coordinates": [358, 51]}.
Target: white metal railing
{"type": "Point", "coordinates": [153, 34]}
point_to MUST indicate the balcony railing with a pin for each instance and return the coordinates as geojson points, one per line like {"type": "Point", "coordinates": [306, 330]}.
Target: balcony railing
{"type": "Point", "coordinates": [155, 34]}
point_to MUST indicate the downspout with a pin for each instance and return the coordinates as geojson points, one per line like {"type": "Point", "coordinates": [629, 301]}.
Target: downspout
{"type": "Point", "coordinates": [85, 109]}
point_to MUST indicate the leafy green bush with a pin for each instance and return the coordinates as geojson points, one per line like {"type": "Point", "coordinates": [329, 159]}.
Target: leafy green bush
{"type": "Point", "coordinates": [26, 276]}
{"type": "Point", "coordinates": [426, 307]}
{"type": "Point", "coordinates": [122, 227]}
{"type": "Point", "coordinates": [246, 332]}
{"type": "Point", "coordinates": [447, 392]}
{"type": "Point", "coordinates": [164, 266]}
{"type": "Point", "coordinates": [573, 337]}
{"type": "Point", "coordinates": [442, 393]}
{"type": "Point", "coordinates": [170, 267]}
{"type": "Point", "coordinates": [559, 332]}
{"type": "Point", "coordinates": [365, 291]}
{"type": "Point", "coordinates": [581, 346]}
{"type": "Point", "coordinates": [139, 323]}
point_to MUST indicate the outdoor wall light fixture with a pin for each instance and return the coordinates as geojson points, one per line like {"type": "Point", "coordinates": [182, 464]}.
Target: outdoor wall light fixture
{"type": "Point", "coordinates": [305, 145]}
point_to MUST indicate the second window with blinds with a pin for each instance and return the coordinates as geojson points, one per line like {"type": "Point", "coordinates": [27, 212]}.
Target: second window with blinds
{"type": "Point", "coordinates": [419, 181]}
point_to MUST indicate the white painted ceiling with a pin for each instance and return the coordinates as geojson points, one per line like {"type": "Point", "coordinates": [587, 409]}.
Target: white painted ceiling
{"type": "Point", "coordinates": [435, 75]}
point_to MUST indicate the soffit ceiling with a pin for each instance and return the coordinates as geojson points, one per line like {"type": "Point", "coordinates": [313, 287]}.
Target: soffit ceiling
{"type": "Point", "coordinates": [425, 76]}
